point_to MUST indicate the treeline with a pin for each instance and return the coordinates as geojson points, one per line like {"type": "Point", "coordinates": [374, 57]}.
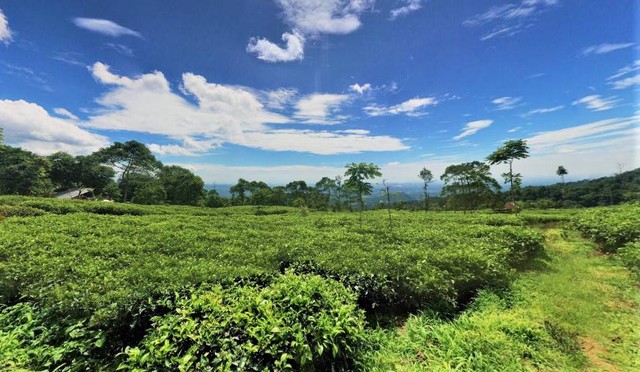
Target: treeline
{"type": "Point", "coordinates": [126, 172]}
{"type": "Point", "coordinates": [129, 172]}
{"type": "Point", "coordinates": [620, 188]}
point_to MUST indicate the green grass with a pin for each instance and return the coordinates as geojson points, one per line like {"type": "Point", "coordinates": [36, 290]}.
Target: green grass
{"type": "Point", "coordinates": [577, 310]}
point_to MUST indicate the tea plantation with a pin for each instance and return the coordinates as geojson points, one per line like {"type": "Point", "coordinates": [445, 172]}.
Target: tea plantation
{"type": "Point", "coordinates": [105, 286]}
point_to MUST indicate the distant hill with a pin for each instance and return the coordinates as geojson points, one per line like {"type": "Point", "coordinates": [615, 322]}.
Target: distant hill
{"type": "Point", "coordinates": [612, 190]}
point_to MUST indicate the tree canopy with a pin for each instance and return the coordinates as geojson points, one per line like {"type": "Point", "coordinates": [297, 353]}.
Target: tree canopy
{"type": "Point", "coordinates": [356, 176]}
{"type": "Point", "coordinates": [506, 154]}
{"type": "Point", "coordinates": [129, 157]}
{"type": "Point", "coordinates": [469, 185]}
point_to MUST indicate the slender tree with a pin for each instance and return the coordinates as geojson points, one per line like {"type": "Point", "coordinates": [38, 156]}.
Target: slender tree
{"type": "Point", "coordinates": [562, 171]}
{"type": "Point", "coordinates": [427, 178]}
{"type": "Point", "coordinates": [357, 174]}
{"type": "Point", "coordinates": [506, 154]}
{"type": "Point", "coordinates": [388, 197]}
{"type": "Point", "coordinates": [238, 191]}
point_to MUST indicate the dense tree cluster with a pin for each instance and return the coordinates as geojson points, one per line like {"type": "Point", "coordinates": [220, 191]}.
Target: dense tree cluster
{"type": "Point", "coordinates": [123, 172]}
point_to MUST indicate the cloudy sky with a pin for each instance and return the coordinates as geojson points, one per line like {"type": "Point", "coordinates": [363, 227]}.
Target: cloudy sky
{"type": "Point", "coordinates": [277, 90]}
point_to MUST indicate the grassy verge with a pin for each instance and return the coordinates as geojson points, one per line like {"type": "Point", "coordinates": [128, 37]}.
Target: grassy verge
{"type": "Point", "coordinates": [576, 310]}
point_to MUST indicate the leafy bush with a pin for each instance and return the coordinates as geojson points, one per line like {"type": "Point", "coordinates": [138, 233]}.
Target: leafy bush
{"type": "Point", "coordinates": [610, 227]}
{"type": "Point", "coordinates": [630, 256]}
{"type": "Point", "coordinates": [297, 322]}
{"type": "Point", "coordinates": [20, 211]}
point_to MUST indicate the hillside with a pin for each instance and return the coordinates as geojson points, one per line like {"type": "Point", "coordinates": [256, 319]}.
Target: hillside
{"type": "Point", "coordinates": [586, 193]}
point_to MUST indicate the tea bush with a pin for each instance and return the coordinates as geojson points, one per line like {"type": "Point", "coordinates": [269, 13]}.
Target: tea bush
{"type": "Point", "coordinates": [295, 323]}
{"type": "Point", "coordinates": [610, 227]}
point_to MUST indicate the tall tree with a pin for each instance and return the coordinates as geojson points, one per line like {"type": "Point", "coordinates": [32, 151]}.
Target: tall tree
{"type": "Point", "coordinates": [64, 171]}
{"type": "Point", "coordinates": [427, 178]}
{"type": "Point", "coordinates": [562, 171]}
{"type": "Point", "coordinates": [298, 192]}
{"type": "Point", "coordinates": [469, 185]}
{"type": "Point", "coordinates": [23, 172]}
{"type": "Point", "coordinates": [129, 157]}
{"type": "Point", "coordinates": [328, 186]}
{"type": "Point", "coordinates": [506, 154]}
{"type": "Point", "coordinates": [238, 192]}
{"type": "Point", "coordinates": [181, 185]}
{"type": "Point", "coordinates": [357, 174]}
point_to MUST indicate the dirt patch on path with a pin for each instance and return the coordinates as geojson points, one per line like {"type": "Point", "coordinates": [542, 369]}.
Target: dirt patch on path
{"type": "Point", "coordinates": [593, 351]}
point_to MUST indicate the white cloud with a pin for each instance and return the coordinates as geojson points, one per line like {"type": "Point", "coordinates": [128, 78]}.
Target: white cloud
{"type": "Point", "coordinates": [409, 6]}
{"type": "Point", "coordinates": [542, 110]}
{"type": "Point", "coordinates": [626, 82]}
{"type": "Point", "coordinates": [122, 49]}
{"type": "Point", "coordinates": [506, 103]}
{"type": "Point", "coordinates": [321, 108]}
{"type": "Point", "coordinates": [278, 99]}
{"type": "Point", "coordinates": [360, 89]}
{"type": "Point", "coordinates": [412, 107]}
{"type": "Point", "coordinates": [223, 114]}
{"type": "Point", "coordinates": [105, 27]}
{"type": "Point", "coordinates": [5, 32]}
{"type": "Point", "coordinates": [30, 126]}
{"type": "Point", "coordinates": [596, 103]}
{"type": "Point", "coordinates": [189, 147]}
{"type": "Point", "coordinates": [275, 175]}
{"type": "Point", "coordinates": [324, 16]}
{"type": "Point", "coordinates": [605, 48]}
{"type": "Point", "coordinates": [509, 19]}
{"type": "Point", "coordinates": [319, 142]}
{"type": "Point", "coordinates": [64, 113]}
{"type": "Point", "coordinates": [620, 80]}
{"type": "Point", "coordinates": [635, 66]}
{"type": "Point", "coordinates": [472, 128]}
{"type": "Point", "coordinates": [586, 136]}
{"type": "Point", "coordinates": [270, 52]}
{"type": "Point", "coordinates": [513, 130]}
{"type": "Point", "coordinates": [309, 18]}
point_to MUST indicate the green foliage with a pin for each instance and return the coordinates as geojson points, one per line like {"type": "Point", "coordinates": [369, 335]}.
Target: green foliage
{"type": "Point", "coordinates": [469, 185]}
{"type": "Point", "coordinates": [427, 177]}
{"type": "Point", "coordinates": [623, 187]}
{"type": "Point", "coordinates": [511, 150]}
{"type": "Point", "coordinates": [181, 185]}
{"type": "Point", "coordinates": [129, 158]}
{"type": "Point", "coordinates": [489, 337]}
{"type": "Point", "coordinates": [20, 211]}
{"type": "Point", "coordinates": [356, 176]}
{"type": "Point", "coordinates": [98, 272]}
{"type": "Point", "coordinates": [149, 193]}
{"type": "Point", "coordinates": [295, 323]}
{"type": "Point", "coordinates": [630, 256]}
{"type": "Point", "coordinates": [611, 227]}
{"type": "Point", "coordinates": [23, 172]}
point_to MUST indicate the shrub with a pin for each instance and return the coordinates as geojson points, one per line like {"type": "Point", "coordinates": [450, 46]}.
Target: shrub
{"type": "Point", "coordinates": [610, 227]}
{"type": "Point", "coordinates": [20, 211]}
{"type": "Point", "coordinates": [297, 322]}
{"type": "Point", "coordinates": [630, 256]}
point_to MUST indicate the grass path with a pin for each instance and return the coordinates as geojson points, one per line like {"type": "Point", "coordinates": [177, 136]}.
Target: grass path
{"type": "Point", "coordinates": [577, 310]}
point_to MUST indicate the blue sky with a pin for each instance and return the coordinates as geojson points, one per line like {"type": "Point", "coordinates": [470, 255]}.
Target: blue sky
{"type": "Point", "coordinates": [277, 90]}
